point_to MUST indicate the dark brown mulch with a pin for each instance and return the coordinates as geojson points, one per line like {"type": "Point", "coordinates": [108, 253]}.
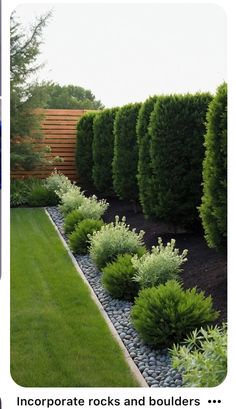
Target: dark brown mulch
{"type": "Point", "coordinates": [206, 268]}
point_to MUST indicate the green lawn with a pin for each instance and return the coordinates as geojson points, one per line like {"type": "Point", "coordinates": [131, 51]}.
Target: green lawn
{"type": "Point", "coordinates": [58, 336]}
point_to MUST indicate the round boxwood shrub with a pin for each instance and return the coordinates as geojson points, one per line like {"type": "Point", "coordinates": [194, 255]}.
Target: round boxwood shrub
{"type": "Point", "coordinates": [166, 314]}
{"type": "Point", "coordinates": [213, 209]}
{"type": "Point", "coordinates": [177, 128]}
{"type": "Point", "coordinates": [71, 220]}
{"type": "Point", "coordinates": [113, 239]}
{"type": "Point", "coordinates": [118, 276]}
{"type": "Point", "coordinates": [103, 149]}
{"type": "Point", "coordinates": [84, 154]}
{"type": "Point", "coordinates": [78, 239]}
{"type": "Point", "coordinates": [125, 159]}
{"type": "Point", "coordinates": [144, 159]}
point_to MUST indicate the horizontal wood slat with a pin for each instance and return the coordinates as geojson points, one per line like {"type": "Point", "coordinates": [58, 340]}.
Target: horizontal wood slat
{"type": "Point", "coordinates": [59, 130]}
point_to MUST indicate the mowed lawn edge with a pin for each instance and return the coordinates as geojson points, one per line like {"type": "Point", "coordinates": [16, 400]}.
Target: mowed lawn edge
{"type": "Point", "coordinates": [58, 335]}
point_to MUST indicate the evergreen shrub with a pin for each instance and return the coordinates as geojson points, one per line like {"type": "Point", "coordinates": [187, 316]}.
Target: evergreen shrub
{"type": "Point", "coordinates": [125, 158]}
{"type": "Point", "coordinates": [40, 195]}
{"type": "Point", "coordinates": [103, 150]}
{"type": "Point", "coordinates": [32, 192]}
{"type": "Point", "coordinates": [213, 210]}
{"type": "Point", "coordinates": [78, 239]}
{"type": "Point", "coordinates": [71, 220]}
{"type": "Point", "coordinates": [166, 314]}
{"type": "Point", "coordinates": [145, 175]}
{"type": "Point", "coordinates": [177, 128]}
{"type": "Point", "coordinates": [19, 191]}
{"type": "Point", "coordinates": [84, 154]}
{"type": "Point", "coordinates": [118, 276]}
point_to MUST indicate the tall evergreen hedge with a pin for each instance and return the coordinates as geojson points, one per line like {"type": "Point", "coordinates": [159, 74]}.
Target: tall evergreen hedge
{"type": "Point", "coordinates": [84, 154]}
{"type": "Point", "coordinates": [177, 128]}
{"type": "Point", "coordinates": [145, 177]}
{"type": "Point", "coordinates": [213, 210]}
{"type": "Point", "coordinates": [103, 149]}
{"type": "Point", "coordinates": [125, 159]}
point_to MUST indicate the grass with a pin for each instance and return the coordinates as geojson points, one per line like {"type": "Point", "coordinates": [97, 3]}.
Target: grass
{"type": "Point", "coordinates": [58, 336]}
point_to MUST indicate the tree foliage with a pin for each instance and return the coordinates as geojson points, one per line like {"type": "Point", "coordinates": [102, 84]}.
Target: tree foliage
{"type": "Point", "coordinates": [25, 95]}
{"type": "Point", "coordinates": [69, 97]}
{"type": "Point", "coordinates": [213, 209]}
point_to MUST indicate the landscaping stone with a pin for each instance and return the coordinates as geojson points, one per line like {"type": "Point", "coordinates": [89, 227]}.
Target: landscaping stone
{"type": "Point", "coordinates": [155, 365]}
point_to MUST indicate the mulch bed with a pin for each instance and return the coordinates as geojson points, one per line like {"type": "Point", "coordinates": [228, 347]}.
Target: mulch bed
{"type": "Point", "coordinates": [206, 268]}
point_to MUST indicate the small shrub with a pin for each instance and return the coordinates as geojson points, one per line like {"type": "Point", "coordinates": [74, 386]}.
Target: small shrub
{"type": "Point", "coordinates": [125, 159]}
{"type": "Point", "coordinates": [114, 239]}
{"type": "Point", "coordinates": [166, 314]}
{"type": "Point", "coordinates": [71, 220]}
{"type": "Point", "coordinates": [71, 200]}
{"type": "Point", "coordinates": [145, 173]}
{"type": "Point", "coordinates": [31, 192]}
{"type": "Point", "coordinates": [90, 208]}
{"type": "Point", "coordinates": [58, 183]}
{"type": "Point", "coordinates": [213, 210]}
{"type": "Point", "coordinates": [204, 352]}
{"type": "Point", "coordinates": [40, 195]}
{"type": "Point", "coordinates": [78, 239]}
{"type": "Point", "coordinates": [84, 154]}
{"type": "Point", "coordinates": [162, 264]}
{"type": "Point", "coordinates": [19, 192]}
{"type": "Point", "coordinates": [117, 278]}
{"type": "Point", "coordinates": [103, 149]}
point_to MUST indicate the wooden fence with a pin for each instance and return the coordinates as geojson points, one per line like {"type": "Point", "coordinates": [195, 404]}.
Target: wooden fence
{"type": "Point", "coordinates": [59, 132]}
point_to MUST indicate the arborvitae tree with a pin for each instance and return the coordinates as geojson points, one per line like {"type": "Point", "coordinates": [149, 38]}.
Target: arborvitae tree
{"type": "Point", "coordinates": [213, 209]}
{"type": "Point", "coordinates": [145, 175]}
{"type": "Point", "coordinates": [125, 159]}
{"type": "Point", "coordinates": [103, 150]}
{"type": "Point", "coordinates": [84, 154]}
{"type": "Point", "coordinates": [177, 128]}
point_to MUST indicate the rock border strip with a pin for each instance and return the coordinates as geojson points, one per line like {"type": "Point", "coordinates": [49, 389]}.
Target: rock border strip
{"type": "Point", "coordinates": [150, 367]}
{"type": "Point", "coordinates": [134, 369]}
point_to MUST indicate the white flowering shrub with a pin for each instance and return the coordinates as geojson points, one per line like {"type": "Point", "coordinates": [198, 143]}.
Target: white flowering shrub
{"type": "Point", "coordinates": [113, 239]}
{"type": "Point", "coordinates": [91, 208]}
{"type": "Point", "coordinates": [58, 183]}
{"type": "Point", "coordinates": [202, 359]}
{"type": "Point", "coordinates": [162, 264]}
{"type": "Point", "coordinates": [71, 200]}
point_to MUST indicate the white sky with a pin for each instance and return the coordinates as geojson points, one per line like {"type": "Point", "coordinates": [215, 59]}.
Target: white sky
{"type": "Point", "coordinates": [126, 52]}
